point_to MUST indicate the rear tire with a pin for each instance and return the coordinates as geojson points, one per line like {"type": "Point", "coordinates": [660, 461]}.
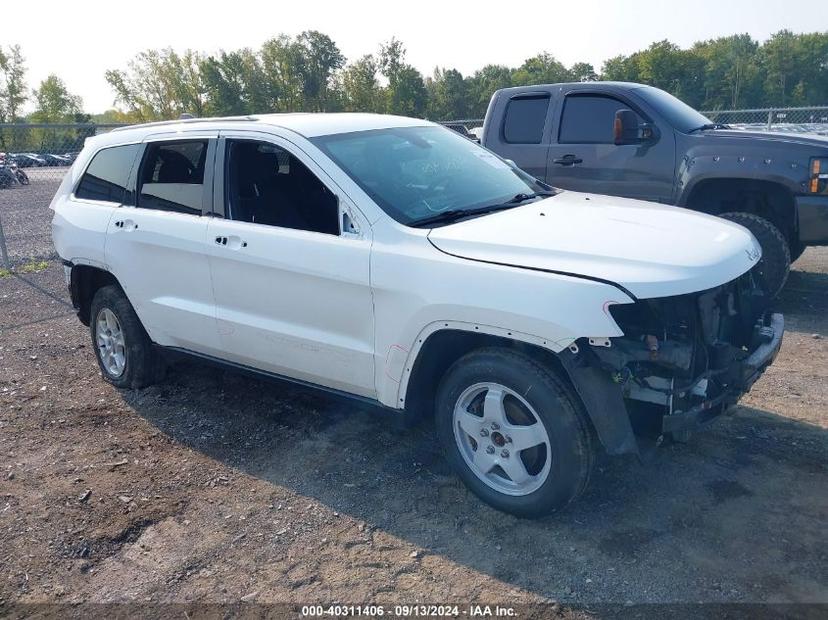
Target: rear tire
{"type": "Point", "coordinates": [775, 264]}
{"type": "Point", "coordinates": [515, 433]}
{"type": "Point", "coordinates": [122, 347]}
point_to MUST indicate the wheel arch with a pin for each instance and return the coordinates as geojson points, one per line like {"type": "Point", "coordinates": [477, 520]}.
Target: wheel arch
{"type": "Point", "coordinates": [84, 282]}
{"type": "Point", "coordinates": [716, 195]}
{"type": "Point", "coordinates": [436, 350]}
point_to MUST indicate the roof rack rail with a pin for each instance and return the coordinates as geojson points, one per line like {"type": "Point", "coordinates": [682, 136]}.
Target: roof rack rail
{"type": "Point", "coordinates": [189, 121]}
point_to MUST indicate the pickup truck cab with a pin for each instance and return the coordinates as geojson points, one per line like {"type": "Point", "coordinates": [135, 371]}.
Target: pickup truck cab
{"type": "Point", "coordinates": [636, 141]}
{"type": "Point", "coordinates": [391, 261]}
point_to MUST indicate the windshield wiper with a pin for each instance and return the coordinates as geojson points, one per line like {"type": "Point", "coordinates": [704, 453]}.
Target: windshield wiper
{"type": "Point", "coordinates": [522, 197]}
{"type": "Point", "coordinates": [452, 215]}
{"type": "Point", "coordinates": [707, 126]}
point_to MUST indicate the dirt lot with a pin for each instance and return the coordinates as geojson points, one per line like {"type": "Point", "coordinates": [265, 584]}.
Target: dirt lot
{"type": "Point", "coordinates": [25, 215]}
{"type": "Point", "coordinates": [217, 487]}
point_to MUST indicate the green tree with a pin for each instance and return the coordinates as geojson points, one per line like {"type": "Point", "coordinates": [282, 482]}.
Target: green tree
{"type": "Point", "coordinates": [282, 62]}
{"type": "Point", "coordinates": [731, 73]}
{"type": "Point", "coordinates": [233, 83]}
{"type": "Point", "coordinates": [796, 68]}
{"type": "Point", "coordinates": [55, 104]}
{"type": "Point", "coordinates": [13, 90]}
{"type": "Point", "coordinates": [321, 59]}
{"type": "Point", "coordinates": [483, 83]}
{"type": "Point", "coordinates": [160, 84]}
{"type": "Point", "coordinates": [666, 66]}
{"type": "Point", "coordinates": [583, 72]}
{"type": "Point", "coordinates": [361, 88]}
{"type": "Point", "coordinates": [407, 93]}
{"type": "Point", "coordinates": [541, 69]}
{"type": "Point", "coordinates": [448, 96]}
{"type": "Point", "coordinates": [620, 69]}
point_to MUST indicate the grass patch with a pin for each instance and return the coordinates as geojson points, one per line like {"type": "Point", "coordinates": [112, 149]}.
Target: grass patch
{"type": "Point", "coordinates": [33, 267]}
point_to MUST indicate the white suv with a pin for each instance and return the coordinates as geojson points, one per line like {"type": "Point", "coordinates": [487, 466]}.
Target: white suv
{"type": "Point", "coordinates": [393, 261]}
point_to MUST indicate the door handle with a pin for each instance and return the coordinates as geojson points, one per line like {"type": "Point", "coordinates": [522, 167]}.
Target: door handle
{"type": "Point", "coordinates": [568, 160]}
{"type": "Point", "coordinates": [232, 241]}
{"type": "Point", "coordinates": [126, 224]}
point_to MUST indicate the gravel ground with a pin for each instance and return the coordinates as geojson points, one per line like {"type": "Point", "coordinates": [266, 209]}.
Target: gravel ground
{"type": "Point", "coordinates": [214, 487]}
{"type": "Point", "coordinates": [25, 215]}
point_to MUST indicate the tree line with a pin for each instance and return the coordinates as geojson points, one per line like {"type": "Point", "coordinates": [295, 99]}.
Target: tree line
{"type": "Point", "coordinates": [309, 73]}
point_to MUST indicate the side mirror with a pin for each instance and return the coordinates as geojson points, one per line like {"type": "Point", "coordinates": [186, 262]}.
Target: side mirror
{"type": "Point", "coordinates": [627, 130]}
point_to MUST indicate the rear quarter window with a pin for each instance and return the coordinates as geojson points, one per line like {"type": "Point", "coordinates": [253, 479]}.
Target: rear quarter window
{"type": "Point", "coordinates": [106, 176]}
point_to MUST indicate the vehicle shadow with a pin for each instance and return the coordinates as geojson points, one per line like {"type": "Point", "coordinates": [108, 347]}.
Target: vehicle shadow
{"type": "Point", "coordinates": [704, 521]}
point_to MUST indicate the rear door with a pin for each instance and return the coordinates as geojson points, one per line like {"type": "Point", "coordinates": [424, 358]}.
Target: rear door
{"type": "Point", "coordinates": [157, 242]}
{"type": "Point", "coordinates": [78, 228]}
{"type": "Point", "coordinates": [583, 155]}
{"type": "Point", "coordinates": [523, 133]}
{"type": "Point", "coordinates": [290, 266]}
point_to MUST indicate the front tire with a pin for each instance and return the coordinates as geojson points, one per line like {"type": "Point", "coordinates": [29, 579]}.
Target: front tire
{"type": "Point", "coordinates": [515, 433]}
{"type": "Point", "coordinates": [775, 264]}
{"type": "Point", "coordinates": [122, 347]}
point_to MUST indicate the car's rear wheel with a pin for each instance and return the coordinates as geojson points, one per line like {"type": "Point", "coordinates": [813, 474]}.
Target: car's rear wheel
{"type": "Point", "coordinates": [775, 264]}
{"type": "Point", "coordinates": [515, 433]}
{"type": "Point", "coordinates": [122, 347]}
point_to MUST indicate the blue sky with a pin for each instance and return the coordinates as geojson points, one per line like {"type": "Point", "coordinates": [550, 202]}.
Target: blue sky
{"type": "Point", "coordinates": [81, 40]}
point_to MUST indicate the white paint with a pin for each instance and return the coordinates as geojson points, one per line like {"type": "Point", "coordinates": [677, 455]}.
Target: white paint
{"type": "Point", "coordinates": [353, 311]}
{"type": "Point", "coordinates": [649, 249]}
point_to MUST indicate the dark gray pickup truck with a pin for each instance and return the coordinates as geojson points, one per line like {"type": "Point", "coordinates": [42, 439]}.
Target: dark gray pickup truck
{"type": "Point", "coordinates": [637, 141]}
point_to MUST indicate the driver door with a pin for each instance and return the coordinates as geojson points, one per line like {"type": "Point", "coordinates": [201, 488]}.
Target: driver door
{"type": "Point", "coordinates": [585, 158]}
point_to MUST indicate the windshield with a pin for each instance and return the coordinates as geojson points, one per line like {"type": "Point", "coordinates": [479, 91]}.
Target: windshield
{"type": "Point", "coordinates": [675, 111]}
{"type": "Point", "coordinates": [414, 173]}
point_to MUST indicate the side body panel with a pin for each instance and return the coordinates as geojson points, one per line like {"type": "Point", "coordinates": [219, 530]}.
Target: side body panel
{"type": "Point", "coordinates": [161, 260]}
{"type": "Point", "coordinates": [294, 302]}
{"type": "Point", "coordinates": [419, 290]}
{"type": "Point", "coordinates": [78, 225]}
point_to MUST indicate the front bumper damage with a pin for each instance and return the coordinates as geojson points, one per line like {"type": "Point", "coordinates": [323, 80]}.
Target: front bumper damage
{"type": "Point", "coordinates": [681, 362]}
{"type": "Point", "coordinates": [747, 371]}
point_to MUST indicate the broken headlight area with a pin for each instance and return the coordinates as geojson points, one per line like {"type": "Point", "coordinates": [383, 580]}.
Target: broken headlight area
{"type": "Point", "coordinates": [690, 355]}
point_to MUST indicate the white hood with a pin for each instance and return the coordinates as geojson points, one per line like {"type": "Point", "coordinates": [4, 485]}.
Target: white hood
{"type": "Point", "coordinates": [650, 249]}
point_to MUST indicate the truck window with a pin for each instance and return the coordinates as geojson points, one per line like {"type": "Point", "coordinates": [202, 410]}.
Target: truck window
{"type": "Point", "coordinates": [525, 118]}
{"type": "Point", "coordinates": [588, 119]}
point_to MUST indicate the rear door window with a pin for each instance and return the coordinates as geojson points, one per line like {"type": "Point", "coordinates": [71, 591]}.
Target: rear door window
{"type": "Point", "coordinates": [525, 119]}
{"type": "Point", "coordinates": [172, 176]}
{"type": "Point", "coordinates": [106, 176]}
{"type": "Point", "coordinates": [588, 119]}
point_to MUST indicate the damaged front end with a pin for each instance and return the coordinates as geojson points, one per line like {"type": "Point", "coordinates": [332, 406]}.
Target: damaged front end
{"type": "Point", "coordinates": [682, 360]}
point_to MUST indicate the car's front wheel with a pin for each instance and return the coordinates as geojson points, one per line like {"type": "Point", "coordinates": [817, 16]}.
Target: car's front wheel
{"type": "Point", "coordinates": [122, 347]}
{"type": "Point", "coordinates": [515, 433]}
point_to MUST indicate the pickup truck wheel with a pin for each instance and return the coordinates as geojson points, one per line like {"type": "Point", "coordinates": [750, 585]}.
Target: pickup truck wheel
{"type": "Point", "coordinates": [122, 346]}
{"type": "Point", "coordinates": [516, 434]}
{"type": "Point", "coordinates": [775, 263]}
{"type": "Point", "coordinates": [797, 250]}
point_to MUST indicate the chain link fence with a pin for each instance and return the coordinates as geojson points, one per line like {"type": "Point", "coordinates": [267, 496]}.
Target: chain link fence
{"type": "Point", "coordinates": [33, 161]}
{"type": "Point", "coordinates": [35, 157]}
